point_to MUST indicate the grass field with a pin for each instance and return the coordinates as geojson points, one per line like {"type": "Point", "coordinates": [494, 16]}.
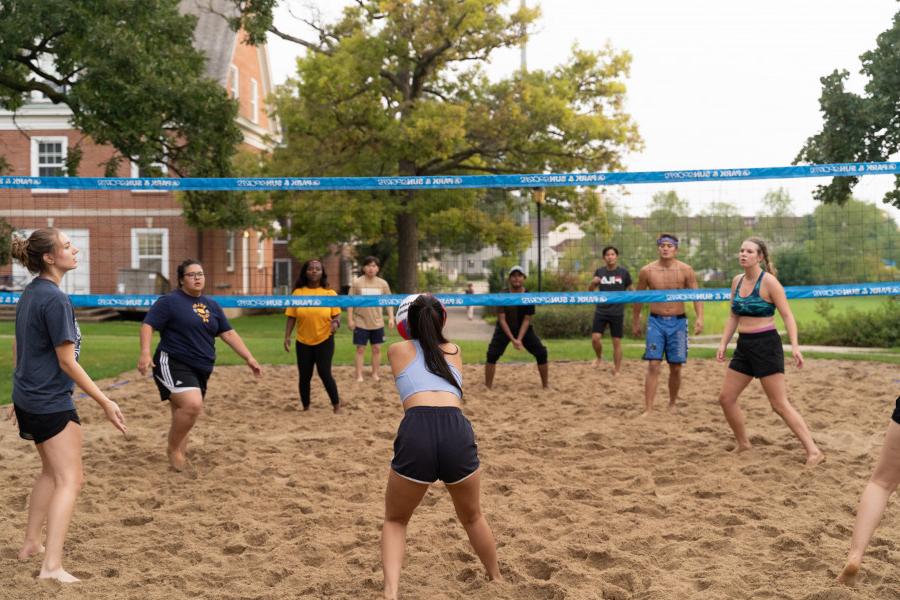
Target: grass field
{"type": "Point", "coordinates": [112, 347]}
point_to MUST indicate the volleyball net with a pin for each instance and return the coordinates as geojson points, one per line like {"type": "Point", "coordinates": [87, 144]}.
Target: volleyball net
{"type": "Point", "coordinates": [133, 232]}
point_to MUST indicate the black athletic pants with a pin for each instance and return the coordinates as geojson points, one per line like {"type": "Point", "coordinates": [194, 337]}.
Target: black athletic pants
{"type": "Point", "coordinates": [318, 356]}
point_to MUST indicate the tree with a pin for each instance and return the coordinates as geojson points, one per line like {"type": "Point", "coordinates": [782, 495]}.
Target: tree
{"type": "Point", "coordinates": [860, 128]}
{"type": "Point", "coordinates": [395, 88]}
{"type": "Point", "coordinates": [133, 80]}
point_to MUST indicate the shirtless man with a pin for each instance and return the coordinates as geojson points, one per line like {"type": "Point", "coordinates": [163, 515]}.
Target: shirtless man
{"type": "Point", "coordinates": [667, 326]}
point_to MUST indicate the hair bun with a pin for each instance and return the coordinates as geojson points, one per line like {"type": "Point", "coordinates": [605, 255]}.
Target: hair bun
{"type": "Point", "coordinates": [19, 247]}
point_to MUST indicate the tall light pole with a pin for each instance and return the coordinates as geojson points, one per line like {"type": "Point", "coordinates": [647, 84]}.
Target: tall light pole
{"type": "Point", "coordinates": [525, 216]}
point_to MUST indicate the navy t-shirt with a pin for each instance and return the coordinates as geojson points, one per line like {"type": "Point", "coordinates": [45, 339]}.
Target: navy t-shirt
{"type": "Point", "coordinates": [188, 327]}
{"type": "Point", "coordinates": [515, 315]}
{"type": "Point", "coordinates": [617, 280]}
{"type": "Point", "coordinates": [45, 319]}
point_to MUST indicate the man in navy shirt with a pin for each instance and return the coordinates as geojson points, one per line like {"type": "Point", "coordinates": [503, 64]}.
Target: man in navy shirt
{"type": "Point", "coordinates": [514, 325]}
{"type": "Point", "coordinates": [609, 278]}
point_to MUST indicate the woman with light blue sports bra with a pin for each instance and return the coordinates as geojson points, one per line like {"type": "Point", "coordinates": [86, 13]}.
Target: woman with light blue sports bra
{"type": "Point", "coordinates": [755, 295]}
{"type": "Point", "coordinates": [434, 441]}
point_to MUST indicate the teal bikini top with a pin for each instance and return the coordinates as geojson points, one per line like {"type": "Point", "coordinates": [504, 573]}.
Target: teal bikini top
{"type": "Point", "coordinates": [752, 305]}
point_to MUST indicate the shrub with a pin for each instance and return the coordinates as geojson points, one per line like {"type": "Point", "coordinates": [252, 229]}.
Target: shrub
{"type": "Point", "coordinates": [876, 328]}
{"type": "Point", "coordinates": [563, 322]}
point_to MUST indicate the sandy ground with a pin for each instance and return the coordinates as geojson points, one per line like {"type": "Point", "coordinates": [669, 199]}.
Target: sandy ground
{"type": "Point", "coordinates": [585, 500]}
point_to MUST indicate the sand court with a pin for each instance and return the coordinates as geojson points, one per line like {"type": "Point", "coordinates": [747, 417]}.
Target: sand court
{"type": "Point", "coordinates": [585, 500]}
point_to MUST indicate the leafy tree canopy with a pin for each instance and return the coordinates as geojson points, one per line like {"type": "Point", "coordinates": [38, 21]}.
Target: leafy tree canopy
{"type": "Point", "coordinates": [130, 75]}
{"type": "Point", "coordinates": [860, 128]}
{"type": "Point", "coordinates": [395, 87]}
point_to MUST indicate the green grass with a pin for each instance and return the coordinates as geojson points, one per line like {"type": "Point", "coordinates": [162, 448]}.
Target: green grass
{"type": "Point", "coordinates": [111, 348]}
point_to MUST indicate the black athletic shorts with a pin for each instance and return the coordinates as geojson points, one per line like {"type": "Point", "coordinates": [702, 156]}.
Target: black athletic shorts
{"type": "Point", "coordinates": [896, 415]}
{"type": "Point", "coordinates": [758, 354]}
{"type": "Point", "coordinates": [435, 442]}
{"type": "Point", "coordinates": [173, 376]}
{"type": "Point", "coordinates": [616, 324]}
{"type": "Point", "coordinates": [40, 428]}
{"type": "Point", "coordinates": [530, 341]}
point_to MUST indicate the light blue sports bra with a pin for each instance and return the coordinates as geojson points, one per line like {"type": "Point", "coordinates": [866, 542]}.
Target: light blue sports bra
{"type": "Point", "coordinates": [417, 378]}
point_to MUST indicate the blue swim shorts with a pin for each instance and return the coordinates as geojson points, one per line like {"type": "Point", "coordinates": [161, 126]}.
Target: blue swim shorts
{"type": "Point", "coordinates": [667, 336]}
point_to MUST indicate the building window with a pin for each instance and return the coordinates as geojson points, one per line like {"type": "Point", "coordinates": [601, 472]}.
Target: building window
{"type": "Point", "coordinates": [153, 170]}
{"type": "Point", "coordinates": [229, 251]}
{"type": "Point", "coordinates": [150, 250]}
{"type": "Point", "coordinates": [260, 251]}
{"type": "Point", "coordinates": [48, 159]}
{"type": "Point", "coordinates": [235, 83]}
{"type": "Point", "coordinates": [254, 101]}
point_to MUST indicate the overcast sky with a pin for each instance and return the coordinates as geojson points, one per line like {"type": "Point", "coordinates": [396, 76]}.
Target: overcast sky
{"type": "Point", "coordinates": [714, 83]}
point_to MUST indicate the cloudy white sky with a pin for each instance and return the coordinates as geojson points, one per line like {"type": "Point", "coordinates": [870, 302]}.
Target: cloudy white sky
{"type": "Point", "coordinates": [714, 83]}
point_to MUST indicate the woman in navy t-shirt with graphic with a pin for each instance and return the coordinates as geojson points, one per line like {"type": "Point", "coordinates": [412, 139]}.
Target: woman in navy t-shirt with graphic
{"type": "Point", "coordinates": [188, 323]}
{"type": "Point", "coordinates": [46, 352]}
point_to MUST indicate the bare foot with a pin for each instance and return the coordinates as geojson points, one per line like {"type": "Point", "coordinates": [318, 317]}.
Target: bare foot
{"type": "Point", "coordinates": [616, 372]}
{"type": "Point", "coordinates": [673, 409]}
{"type": "Point", "coordinates": [177, 460]}
{"type": "Point", "coordinates": [59, 575]}
{"type": "Point", "coordinates": [359, 379]}
{"type": "Point", "coordinates": [29, 549]}
{"type": "Point", "coordinates": [596, 363]}
{"type": "Point", "coordinates": [336, 407]}
{"type": "Point", "coordinates": [376, 377]}
{"type": "Point", "coordinates": [304, 408]}
{"type": "Point", "coordinates": [645, 414]}
{"type": "Point", "coordinates": [848, 575]}
{"type": "Point", "coordinates": [815, 458]}
{"type": "Point", "coordinates": [741, 448]}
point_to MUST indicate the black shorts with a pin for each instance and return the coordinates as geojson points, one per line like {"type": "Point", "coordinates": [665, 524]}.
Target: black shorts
{"type": "Point", "coordinates": [173, 376]}
{"type": "Point", "coordinates": [531, 342]}
{"type": "Point", "coordinates": [361, 336]}
{"type": "Point", "coordinates": [435, 442]}
{"type": "Point", "coordinates": [40, 428]}
{"type": "Point", "coordinates": [758, 354]}
{"type": "Point", "coordinates": [616, 324]}
{"type": "Point", "coordinates": [896, 415]}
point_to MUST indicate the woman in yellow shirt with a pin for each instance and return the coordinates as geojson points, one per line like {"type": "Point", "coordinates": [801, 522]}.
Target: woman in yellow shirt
{"type": "Point", "coordinates": [314, 342]}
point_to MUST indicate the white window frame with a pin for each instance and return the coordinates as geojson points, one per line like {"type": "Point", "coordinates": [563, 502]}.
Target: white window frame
{"type": "Point", "coordinates": [136, 173]}
{"type": "Point", "coordinates": [260, 251]}
{"type": "Point", "coordinates": [35, 166]}
{"type": "Point", "coordinates": [235, 82]}
{"type": "Point", "coordinates": [254, 101]}
{"type": "Point", "coordinates": [135, 256]}
{"type": "Point", "coordinates": [229, 251]}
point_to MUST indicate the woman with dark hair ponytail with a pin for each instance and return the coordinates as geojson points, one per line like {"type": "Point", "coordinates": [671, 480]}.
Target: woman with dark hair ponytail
{"type": "Point", "coordinates": [434, 441]}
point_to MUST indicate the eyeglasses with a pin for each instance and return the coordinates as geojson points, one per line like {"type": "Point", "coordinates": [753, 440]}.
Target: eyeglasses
{"type": "Point", "coordinates": [197, 275]}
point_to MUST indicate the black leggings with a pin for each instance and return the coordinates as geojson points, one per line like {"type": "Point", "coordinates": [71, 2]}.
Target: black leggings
{"type": "Point", "coordinates": [318, 356]}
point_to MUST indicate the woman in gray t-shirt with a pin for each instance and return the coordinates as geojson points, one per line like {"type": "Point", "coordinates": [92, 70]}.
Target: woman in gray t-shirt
{"type": "Point", "coordinates": [46, 367]}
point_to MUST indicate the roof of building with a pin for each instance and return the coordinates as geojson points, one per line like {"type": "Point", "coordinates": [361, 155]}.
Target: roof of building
{"type": "Point", "coordinates": [213, 35]}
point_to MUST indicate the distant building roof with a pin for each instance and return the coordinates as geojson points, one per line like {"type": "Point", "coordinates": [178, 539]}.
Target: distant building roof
{"type": "Point", "coordinates": [213, 36]}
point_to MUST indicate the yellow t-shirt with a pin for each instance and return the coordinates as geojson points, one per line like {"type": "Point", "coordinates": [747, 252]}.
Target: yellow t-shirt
{"type": "Point", "coordinates": [313, 323]}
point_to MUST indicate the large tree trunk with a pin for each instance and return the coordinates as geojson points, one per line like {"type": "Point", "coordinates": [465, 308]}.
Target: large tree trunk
{"type": "Point", "coordinates": [407, 248]}
{"type": "Point", "coordinates": [407, 236]}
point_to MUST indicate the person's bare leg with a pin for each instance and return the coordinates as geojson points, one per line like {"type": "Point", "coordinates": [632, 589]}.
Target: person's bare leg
{"type": "Point", "coordinates": [735, 382]}
{"type": "Point", "coordinates": [186, 409]}
{"type": "Point", "coordinates": [359, 359]}
{"type": "Point", "coordinates": [776, 390]}
{"type": "Point", "coordinates": [63, 455]}
{"type": "Point", "coordinates": [617, 355]}
{"type": "Point", "coordinates": [376, 361]}
{"type": "Point", "coordinates": [400, 500]}
{"type": "Point", "coordinates": [597, 343]}
{"type": "Point", "coordinates": [650, 382]}
{"type": "Point", "coordinates": [489, 370]}
{"type": "Point", "coordinates": [544, 370]}
{"type": "Point", "coordinates": [466, 497]}
{"type": "Point", "coordinates": [874, 499]}
{"type": "Point", "coordinates": [674, 385]}
{"type": "Point", "coordinates": [38, 505]}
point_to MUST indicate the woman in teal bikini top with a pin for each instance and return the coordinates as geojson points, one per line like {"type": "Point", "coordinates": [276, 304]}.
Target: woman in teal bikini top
{"type": "Point", "coordinates": [753, 305]}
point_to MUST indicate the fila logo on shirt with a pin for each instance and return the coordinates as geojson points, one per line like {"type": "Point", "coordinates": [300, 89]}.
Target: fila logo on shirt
{"type": "Point", "coordinates": [612, 279]}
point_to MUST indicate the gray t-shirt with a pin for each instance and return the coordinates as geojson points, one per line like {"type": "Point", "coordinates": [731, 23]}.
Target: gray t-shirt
{"type": "Point", "coordinates": [45, 319]}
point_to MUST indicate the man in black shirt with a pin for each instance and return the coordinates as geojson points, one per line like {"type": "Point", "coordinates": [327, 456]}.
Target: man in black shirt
{"type": "Point", "coordinates": [611, 278]}
{"type": "Point", "coordinates": [514, 325]}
